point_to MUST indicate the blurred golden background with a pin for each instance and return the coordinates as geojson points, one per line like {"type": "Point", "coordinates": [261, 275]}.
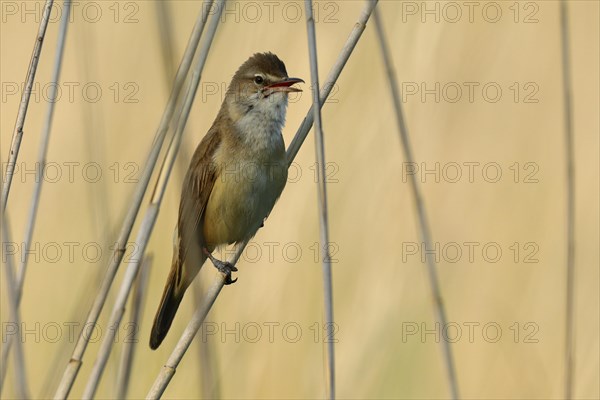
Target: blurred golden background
{"type": "Point", "coordinates": [483, 95]}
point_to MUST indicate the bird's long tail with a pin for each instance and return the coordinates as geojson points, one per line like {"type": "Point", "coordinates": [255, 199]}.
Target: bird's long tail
{"type": "Point", "coordinates": [180, 277]}
{"type": "Point", "coordinates": [169, 304]}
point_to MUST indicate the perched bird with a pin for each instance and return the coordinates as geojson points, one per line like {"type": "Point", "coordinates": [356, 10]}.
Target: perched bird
{"type": "Point", "coordinates": [236, 175]}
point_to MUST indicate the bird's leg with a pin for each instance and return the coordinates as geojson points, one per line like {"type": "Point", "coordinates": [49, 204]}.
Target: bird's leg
{"type": "Point", "coordinates": [224, 267]}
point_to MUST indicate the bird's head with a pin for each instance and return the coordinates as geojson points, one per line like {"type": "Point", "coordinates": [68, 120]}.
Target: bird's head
{"type": "Point", "coordinates": [261, 84]}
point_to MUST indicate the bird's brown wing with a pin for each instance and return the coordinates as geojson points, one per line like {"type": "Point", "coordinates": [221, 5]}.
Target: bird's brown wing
{"type": "Point", "coordinates": [198, 185]}
{"type": "Point", "coordinates": [187, 252]}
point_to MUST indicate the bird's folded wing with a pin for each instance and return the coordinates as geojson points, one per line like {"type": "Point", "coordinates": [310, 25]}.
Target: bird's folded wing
{"type": "Point", "coordinates": [198, 185]}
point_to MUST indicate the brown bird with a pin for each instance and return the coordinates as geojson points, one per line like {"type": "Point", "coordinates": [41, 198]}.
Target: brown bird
{"type": "Point", "coordinates": [236, 175]}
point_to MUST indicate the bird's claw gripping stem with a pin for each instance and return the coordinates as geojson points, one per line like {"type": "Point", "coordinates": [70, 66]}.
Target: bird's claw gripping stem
{"type": "Point", "coordinates": [224, 267]}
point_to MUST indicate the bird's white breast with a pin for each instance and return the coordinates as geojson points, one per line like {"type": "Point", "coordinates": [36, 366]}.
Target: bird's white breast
{"type": "Point", "coordinates": [260, 127]}
{"type": "Point", "coordinates": [252, 176]}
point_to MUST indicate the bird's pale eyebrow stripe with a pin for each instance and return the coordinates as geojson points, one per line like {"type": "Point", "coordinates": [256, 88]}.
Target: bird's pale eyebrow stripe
{"type": "Point", "coordinates": [273, 78]}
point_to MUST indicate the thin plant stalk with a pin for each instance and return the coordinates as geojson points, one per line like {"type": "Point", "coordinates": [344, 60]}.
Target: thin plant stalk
{"type": "Point", "coordinates": [15, 146]}
{"type": "Point", "coordinates": [152, 211]}
{"type": "Point", "coordinates": [210, 383]}
{"type": "Point", "coordinates": [570, 176]}
{"type": "Point", "coordinates": [75, 362]}
{"type": "Point", "coordinates": [334, 74]}
{"type": "Point", "coordinates": [41, 163]}
{"type": "Point", "coordinates": [165, 27]}
{"type": "Point", "coordinates": [129, 345]}
{"type": "Point", "coordinates": [168, 371]}
{"type": "Point", "coordinates": [163, 15]}
{"type": "Point", "coordinates": [15, 319]}
{"type": "Point", "coordinates": [424, 230]}
{"type": "Point", "coordinates": [322, 195]}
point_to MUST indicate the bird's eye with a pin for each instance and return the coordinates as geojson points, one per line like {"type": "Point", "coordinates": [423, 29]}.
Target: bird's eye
{"type": "Point", "coordinates": [258, 79]}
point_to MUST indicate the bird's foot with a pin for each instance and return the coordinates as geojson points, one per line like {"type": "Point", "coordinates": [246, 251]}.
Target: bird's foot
{"type": "Point", "coordinates": [224, 267]}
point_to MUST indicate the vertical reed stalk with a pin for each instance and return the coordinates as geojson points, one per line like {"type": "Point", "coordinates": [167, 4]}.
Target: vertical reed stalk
{"type": "Point", "coordinates": [570, 180]}
{"type": "Point", "coordinates": [15, 319]}
{"type": "Point", "coordinates": [424, 230]}
{"type": "Point", "coordinates": [322, 195]}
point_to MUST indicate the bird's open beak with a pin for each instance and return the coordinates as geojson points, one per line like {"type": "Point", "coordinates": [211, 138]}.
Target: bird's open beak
{"type": "Point", "coordinates": [284, 85]}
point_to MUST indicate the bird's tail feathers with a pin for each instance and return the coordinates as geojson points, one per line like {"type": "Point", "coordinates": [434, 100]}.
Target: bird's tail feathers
{"type": "Point", "coordinates": [171, 298]}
